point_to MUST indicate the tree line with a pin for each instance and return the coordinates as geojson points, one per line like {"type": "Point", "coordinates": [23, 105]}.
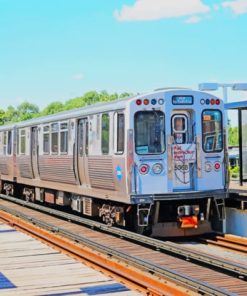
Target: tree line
{"type": "Point", "coordinates": [27, 110]}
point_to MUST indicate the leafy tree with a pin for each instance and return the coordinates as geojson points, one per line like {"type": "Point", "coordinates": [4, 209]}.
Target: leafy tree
{"type": "Point", "coordinates": [27, 111]}
{"type": "Point", "coordinates": [11, 115]}
{"type": "Point", "coordinates": [53, 108]}
{"type": "Point", "coordinates": [233, 136]}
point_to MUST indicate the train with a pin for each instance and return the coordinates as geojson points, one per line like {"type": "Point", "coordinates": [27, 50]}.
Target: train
{"type": "Point", "coordinates": [154, 163]}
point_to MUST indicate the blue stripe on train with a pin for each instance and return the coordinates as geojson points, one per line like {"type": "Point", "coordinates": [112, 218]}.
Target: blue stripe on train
{"type": "Point", "coordinates": [7, 230]}
{"type": "Point", "coordinates": [5, 283]}
{"type": "Point", "coordinates": [104, 289]}
{"type": "Point", "coordinates": [95, 290]}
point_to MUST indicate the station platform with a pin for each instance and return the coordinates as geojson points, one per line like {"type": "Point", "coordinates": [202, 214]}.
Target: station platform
{"type": "Point", "coordinates": [29, 267]}
{"type": "Point", "coordinates": [235, 188]}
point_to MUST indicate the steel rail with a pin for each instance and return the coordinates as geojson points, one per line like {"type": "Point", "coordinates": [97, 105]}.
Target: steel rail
{"type": "Point", "coordinates": [166, 247]}
{"type": "Point", "coordinates": [143, 265]}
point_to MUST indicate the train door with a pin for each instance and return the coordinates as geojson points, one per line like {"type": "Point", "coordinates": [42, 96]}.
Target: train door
{"type": "Point", "coordinates": [82, 150]}
{"type": "Point", "coordinates": [184, 150]}
{"type": "Point", "coordinates": [34, 151]}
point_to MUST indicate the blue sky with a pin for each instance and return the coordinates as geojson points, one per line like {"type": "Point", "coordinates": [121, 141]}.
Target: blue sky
{"type": "Point", "coordinates": [60, 49]}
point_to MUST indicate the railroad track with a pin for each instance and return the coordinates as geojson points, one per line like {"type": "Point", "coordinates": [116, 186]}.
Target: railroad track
{"type": "Point", "coordinates": [228, 241]}
{"type": "Point", "coordinates": [193, 277]}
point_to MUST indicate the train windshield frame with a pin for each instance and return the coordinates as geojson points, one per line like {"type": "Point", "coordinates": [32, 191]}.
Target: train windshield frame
{"type": "Point", "coordinates": [149, 132]}
{"type": "Point", "coordinates": [212, 131]}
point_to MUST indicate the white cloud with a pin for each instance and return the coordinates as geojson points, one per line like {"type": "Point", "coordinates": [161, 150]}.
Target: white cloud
{"type": "Point", "coordinates": [193, 20]}
{"type": "Point", "coordinates": [78, 76]}
{"type": "Point", "coordinates": [216, 7]}
{"type": "Point", "coordinates": [238, 6]}
{"type": "Point", "coordinates": [143, 10]}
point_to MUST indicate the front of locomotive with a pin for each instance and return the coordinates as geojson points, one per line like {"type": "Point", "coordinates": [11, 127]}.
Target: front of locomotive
{"type": "Point", "coordinates": [176, 157]}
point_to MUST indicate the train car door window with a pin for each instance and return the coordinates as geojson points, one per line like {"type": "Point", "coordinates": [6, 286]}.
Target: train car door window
{"type": "Point", "coordinates": [180, 128]}
{"type": "Point", "coordinates": [22, 141]}
{"type": "Point", "coordinates": [86, 137]}
{"type": "Point", "coordinates": [46, 139]}
{"type": "Point", "coordinates": [119, 133]}
{"type": "Point", "coordinates": [54, 138]}
{"type": "Point", "coordinates": [9, 143]}
{"type": "Point", "coordinates": [83, 130]}
{"type": "Point", "coordinates": [4, 143]}
{"type": "Point", "coordinates": [64, 137]}
{"type": "Point", "coordinates": [105, 128]}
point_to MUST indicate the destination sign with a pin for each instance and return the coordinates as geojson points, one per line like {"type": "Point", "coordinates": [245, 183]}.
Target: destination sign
{"type": "Point", "coordinates": [182, 100]}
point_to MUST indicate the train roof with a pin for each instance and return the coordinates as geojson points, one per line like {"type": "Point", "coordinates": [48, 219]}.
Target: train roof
{"type": "Point", "coordinates": [92, 109]}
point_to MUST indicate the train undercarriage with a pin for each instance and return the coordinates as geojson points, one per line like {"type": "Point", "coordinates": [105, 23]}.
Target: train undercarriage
{"type": "Point", "coordinates": [160, 218]}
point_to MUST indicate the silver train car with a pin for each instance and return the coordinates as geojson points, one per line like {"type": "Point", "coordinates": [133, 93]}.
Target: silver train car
{"type": "Point", "coordinates": [153, 163]}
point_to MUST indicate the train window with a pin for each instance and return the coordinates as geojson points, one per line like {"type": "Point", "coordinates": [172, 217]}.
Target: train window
{"type": "Point", "coordinates": [150, 132]}
{"type": "Point", "coordinates": [64, 137]}
{"type": "Point", "coordinates": [54, 137]}
{"type": "Point", "coordinates": [98, 127]}
{"type": "Point", "coordinates": [212, 137]}
{"type": "Point", "coordinates": [22, 141]}
{"type": "Point", "coordinates": [9, 150]}
{"type": "Point", "coordinates": [105, 127]}
{"type": "Point", "coordinates": [86, 140]}
{"type": "Point", "coordinates": [120, 133]}
{"type": "Point", "coordinates": [5, 143]}
{"type": "Point", "coordinates": [179, 128]}
{"type": "Point", "coordinates": [46, 139]}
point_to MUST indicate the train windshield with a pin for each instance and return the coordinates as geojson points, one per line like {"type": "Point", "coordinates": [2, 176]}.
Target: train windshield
{"type": "Point", "coordinates": [149, 132]}
{"type": "Point", "coordinates": [212, 136]}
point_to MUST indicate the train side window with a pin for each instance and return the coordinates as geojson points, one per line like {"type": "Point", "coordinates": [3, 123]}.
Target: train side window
{"type": "Point", "coordinates": [46, 139]}
{"type": "Point", "coordinates": [119, 123]}
{"type": "Point", "coordinates": [212, 131]}
{"type": "Point", "coordinates": [105, 128]}
{"type": "Point", "coordinates": [9, 150]}
{"type": "Point", "coordinates": [54, 137]}
{"type": "Point", "coordinates": [86, 140]}
{"type": "Point", "coordinates": [22, 141]}
{"type": "Point", "coordinates": [5, 143]}
{"type": "Point", "coordinates": [64, 137]}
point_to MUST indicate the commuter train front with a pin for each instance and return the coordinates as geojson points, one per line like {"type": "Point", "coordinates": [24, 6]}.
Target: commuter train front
{"type": "Point", "coordinates": [177, 168]}
{"type": "Point", "coordinates": [153, 163]}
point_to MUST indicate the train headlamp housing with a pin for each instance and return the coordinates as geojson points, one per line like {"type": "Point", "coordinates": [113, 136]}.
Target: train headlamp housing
{"type": "Point", "coordinates": [157, 168]}
{"type": "Point", "coordinates": [146, 102]}
{"type": "Point", "coordinates": [144, 169]}
{"type": "Point", "coordinates": [217, 166]}
{"type": "Point", "coordinates": [208, 166]}
{"type": "Point", "coordinates": [138, 102]}
{"type": "Point", "coordinates": [161, 101]}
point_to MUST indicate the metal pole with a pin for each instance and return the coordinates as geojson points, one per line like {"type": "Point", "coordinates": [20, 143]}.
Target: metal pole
{"type": "Point", "coordinates": [240, 141]}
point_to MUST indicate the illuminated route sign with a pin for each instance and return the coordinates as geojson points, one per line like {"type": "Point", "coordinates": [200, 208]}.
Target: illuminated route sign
{"type": "Point", "coordinates": [182, 100]}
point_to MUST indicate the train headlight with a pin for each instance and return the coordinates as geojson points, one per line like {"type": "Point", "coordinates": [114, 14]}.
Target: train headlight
{"type": "Point", "coordinates": [208, 166]}
{"type": "Point", "coordinates": [161, 101]}
{"type": "Point", "coordinates": [143, 169]}
{"type": "Point", "coordinates": [217, 166]}
{"type": "Point", "coordinates": [157, 168]}
{"type": "Point", "coordinates": [146, 102]}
